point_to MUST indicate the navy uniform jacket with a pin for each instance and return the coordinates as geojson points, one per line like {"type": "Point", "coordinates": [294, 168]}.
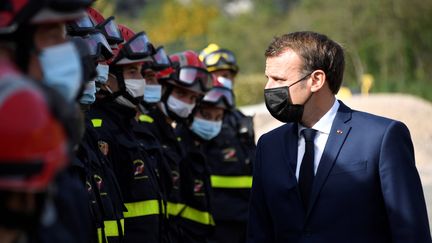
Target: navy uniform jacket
{"type": "Point", "coordinates": [105, 199]}
{"type": "Point", "coordinates": [172, 153]}
{"type": "Point", "coordinates": [366, 188]}
{"type": "Point", "coordinates": [134, 170]}
{"type": "Point", "coordinates": [196, 218]}
{"type": "Point", "coordinates": [230, 157]}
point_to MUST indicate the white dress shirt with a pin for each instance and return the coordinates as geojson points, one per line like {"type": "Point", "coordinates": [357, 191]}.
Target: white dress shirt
{"type": "Point", "coordinates": [323, 127]}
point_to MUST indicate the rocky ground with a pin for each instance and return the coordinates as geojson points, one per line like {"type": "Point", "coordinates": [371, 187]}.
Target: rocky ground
{"type": "Point", "coordinates": [413, 111]}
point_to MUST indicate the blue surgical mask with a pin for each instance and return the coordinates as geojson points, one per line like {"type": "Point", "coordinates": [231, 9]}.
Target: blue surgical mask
{"type": "Point", "coordinates": [152, 93]}
{"type": "Point", "coordinates": [62, 70]}
{"type": "Point", "coordinates": [225, 82]}
{"type": "Point", "coordinates": [102, 73]}
{"type": "Point", "coordinates": [206, 129]}
{"type": "Point", "coordinates": [89, 94]}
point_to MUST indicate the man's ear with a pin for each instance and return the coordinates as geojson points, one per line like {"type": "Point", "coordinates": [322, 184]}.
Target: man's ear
{"type": "Point", "coordinates": [112, 82]}
{"type": "Point", "coordinates": [318, 80]}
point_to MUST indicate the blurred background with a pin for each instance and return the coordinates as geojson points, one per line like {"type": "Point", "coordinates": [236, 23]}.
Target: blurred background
{"type": "Point", "coordinates": [388, 42]}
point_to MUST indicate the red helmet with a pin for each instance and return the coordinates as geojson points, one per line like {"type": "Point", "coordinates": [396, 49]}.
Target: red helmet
{"type": "Point", "coordinates": [190, 72]}
{"type": "Point", "coordinates": [14, 13]}
{"type": "Point", "coordinates": [31, 152]}
{"type": "Point", "coordinates": [95, 15]}
{"type": "Point", "coordinates": [136, 48]}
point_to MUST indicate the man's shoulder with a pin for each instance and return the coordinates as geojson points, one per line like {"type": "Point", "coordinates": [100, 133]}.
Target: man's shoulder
{"type": "Point", "coordinates": [278, 132]}
{"type": "Point", "coordinates": [363, 118]}
{"type": "Point", "coordinates": [369, 119]}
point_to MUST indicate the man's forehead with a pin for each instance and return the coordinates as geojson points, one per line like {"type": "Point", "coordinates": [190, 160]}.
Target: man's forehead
{"type": "Point", "coordinates": [286, 62]}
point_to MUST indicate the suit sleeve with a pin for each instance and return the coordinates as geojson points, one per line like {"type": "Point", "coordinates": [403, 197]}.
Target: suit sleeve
{"type": "Point", "coordinates": [259, 224]}
{"type": "Point", "coordinates": [401, 187]}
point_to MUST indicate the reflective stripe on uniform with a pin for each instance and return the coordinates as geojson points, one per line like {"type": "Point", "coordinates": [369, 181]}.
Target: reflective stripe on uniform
{"type": "Point", "coordinates": [231, 181]}
{"type": "Point", "coordinates": [99, 233]}
{"type": "Point", "coordinates": [174, 208]}
{"type": "Point", "coordinates": [143, 208]}
{"type": "Point", "coordinates": [145, 118]}
{"type": "Point", "coordinates": [197, 216]}
{"type": "Point", "coordinates": [96, 122]}
{"type": "Point", "coordinates": [111, 229]}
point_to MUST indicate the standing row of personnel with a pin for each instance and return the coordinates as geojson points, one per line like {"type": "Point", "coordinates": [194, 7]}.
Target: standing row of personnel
{"type": "Point", "coordinates": [135, 145]}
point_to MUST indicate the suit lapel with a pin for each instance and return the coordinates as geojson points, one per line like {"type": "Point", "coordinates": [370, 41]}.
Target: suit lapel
{"type": "Point", "coordinates": [290, 155]}
{"type": "Point", "coordinates": [291, 144]}
{"type": "Point", "coordinates": [337, 136]}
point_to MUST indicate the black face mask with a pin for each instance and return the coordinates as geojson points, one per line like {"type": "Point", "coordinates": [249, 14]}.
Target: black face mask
{"type": "Point", "coordinates": [280, 106]}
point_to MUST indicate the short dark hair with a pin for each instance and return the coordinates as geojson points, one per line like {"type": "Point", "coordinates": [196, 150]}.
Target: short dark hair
{"type": "Point", "coordinates": [317, 52]}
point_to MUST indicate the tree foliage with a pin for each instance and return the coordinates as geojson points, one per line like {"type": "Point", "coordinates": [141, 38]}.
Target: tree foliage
{"type": "Point", "coordinates": [390, 39]}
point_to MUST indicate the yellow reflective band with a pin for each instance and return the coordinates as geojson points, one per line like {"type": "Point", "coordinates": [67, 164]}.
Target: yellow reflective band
{"type": "Point", "coordinates": [231, 181]}
{"type": "Point", "coordinates": [197, 216]}
{"type": "Point", "coordinates": [144, 208]}
{"type": "Point", "coordinates": [145, 118]}
{"type": "Point", "coordinates": [96, 122]}
{"type": "Point", "coordinates": [99, 233]}
{"type": "Point", "coordinates": [174, 208]}
{"type": "Point", "coordinates": [111, 227]}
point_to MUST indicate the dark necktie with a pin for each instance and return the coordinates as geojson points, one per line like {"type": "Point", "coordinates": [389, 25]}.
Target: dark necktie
{"type": "Point", "coordinates": [306, 176]}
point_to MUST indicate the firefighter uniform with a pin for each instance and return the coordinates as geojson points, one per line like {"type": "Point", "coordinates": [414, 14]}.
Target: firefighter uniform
{"type": "Point", "coordinates": [134, 170]}
{"type": "Point", "coordinates": [172, 154]}
{"type": "Point", "coordinates": [142, 129]}
{"type": "Point", "coordinates": [105, 199]}
{"type": "Point", "coordinates": [196, 218]}
{"type": "Point", "coordinates": [230, 156]}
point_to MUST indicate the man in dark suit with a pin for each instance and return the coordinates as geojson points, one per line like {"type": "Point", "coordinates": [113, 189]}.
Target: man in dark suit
{"type": "Point", "coordinates": [330, 174]}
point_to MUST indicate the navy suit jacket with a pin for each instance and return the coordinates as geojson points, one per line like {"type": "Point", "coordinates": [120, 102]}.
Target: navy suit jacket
{"type": "Point", "coordinates": [366, 189]}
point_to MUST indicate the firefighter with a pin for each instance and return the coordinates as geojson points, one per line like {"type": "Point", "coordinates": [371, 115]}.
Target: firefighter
{"type": "Point", "coordinates": [111, 116]}
{"type": "Point", "coordinates": [105, 199]}
{"type": "Point", "coordinates": [31, 156]}
{"type": "Point", "coordinates": [185, 87]}
{"type": "Point", "coordinates": [153, 70]}
{"type": "Point", "coordinates": [230, 154]}
{"type": "Point", "coordinates": [205, 124]}
{"type": "Point", "coordinates": [37, 30]}
{"type": "Point", "coordinates": [176, 104]}
{"type": "Point", "coordinates": [32, 153]}
{"type": "Point", "coordinates": [142, 127]}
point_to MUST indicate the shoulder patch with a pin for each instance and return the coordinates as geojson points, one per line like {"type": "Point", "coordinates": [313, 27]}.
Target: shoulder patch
{"type": "Point", "coordinates": [96, 122]}
{"type": "Point", "coordinates": [145, 118]}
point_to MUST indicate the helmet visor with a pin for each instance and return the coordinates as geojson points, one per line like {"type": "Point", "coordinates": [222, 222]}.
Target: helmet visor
{"type": "Point", "coordinates": [111, 31]}
{"type": "Point", "coordinates": [139, 45]}
{"type": "Point", "coordinates": [217, 94]}
{"type": "Point", "coordinates": [160, 59]}
{"type": "Point", "coordinates": [99, 47]}
{"type": "Point", "coordinates": [84, 22]}
{"type": "Point", "coordinates": [191, 75]}
{"type": "Point", "coordinates": [220, 56]}
{"type": "Point", "coordinates": [137, 49]}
